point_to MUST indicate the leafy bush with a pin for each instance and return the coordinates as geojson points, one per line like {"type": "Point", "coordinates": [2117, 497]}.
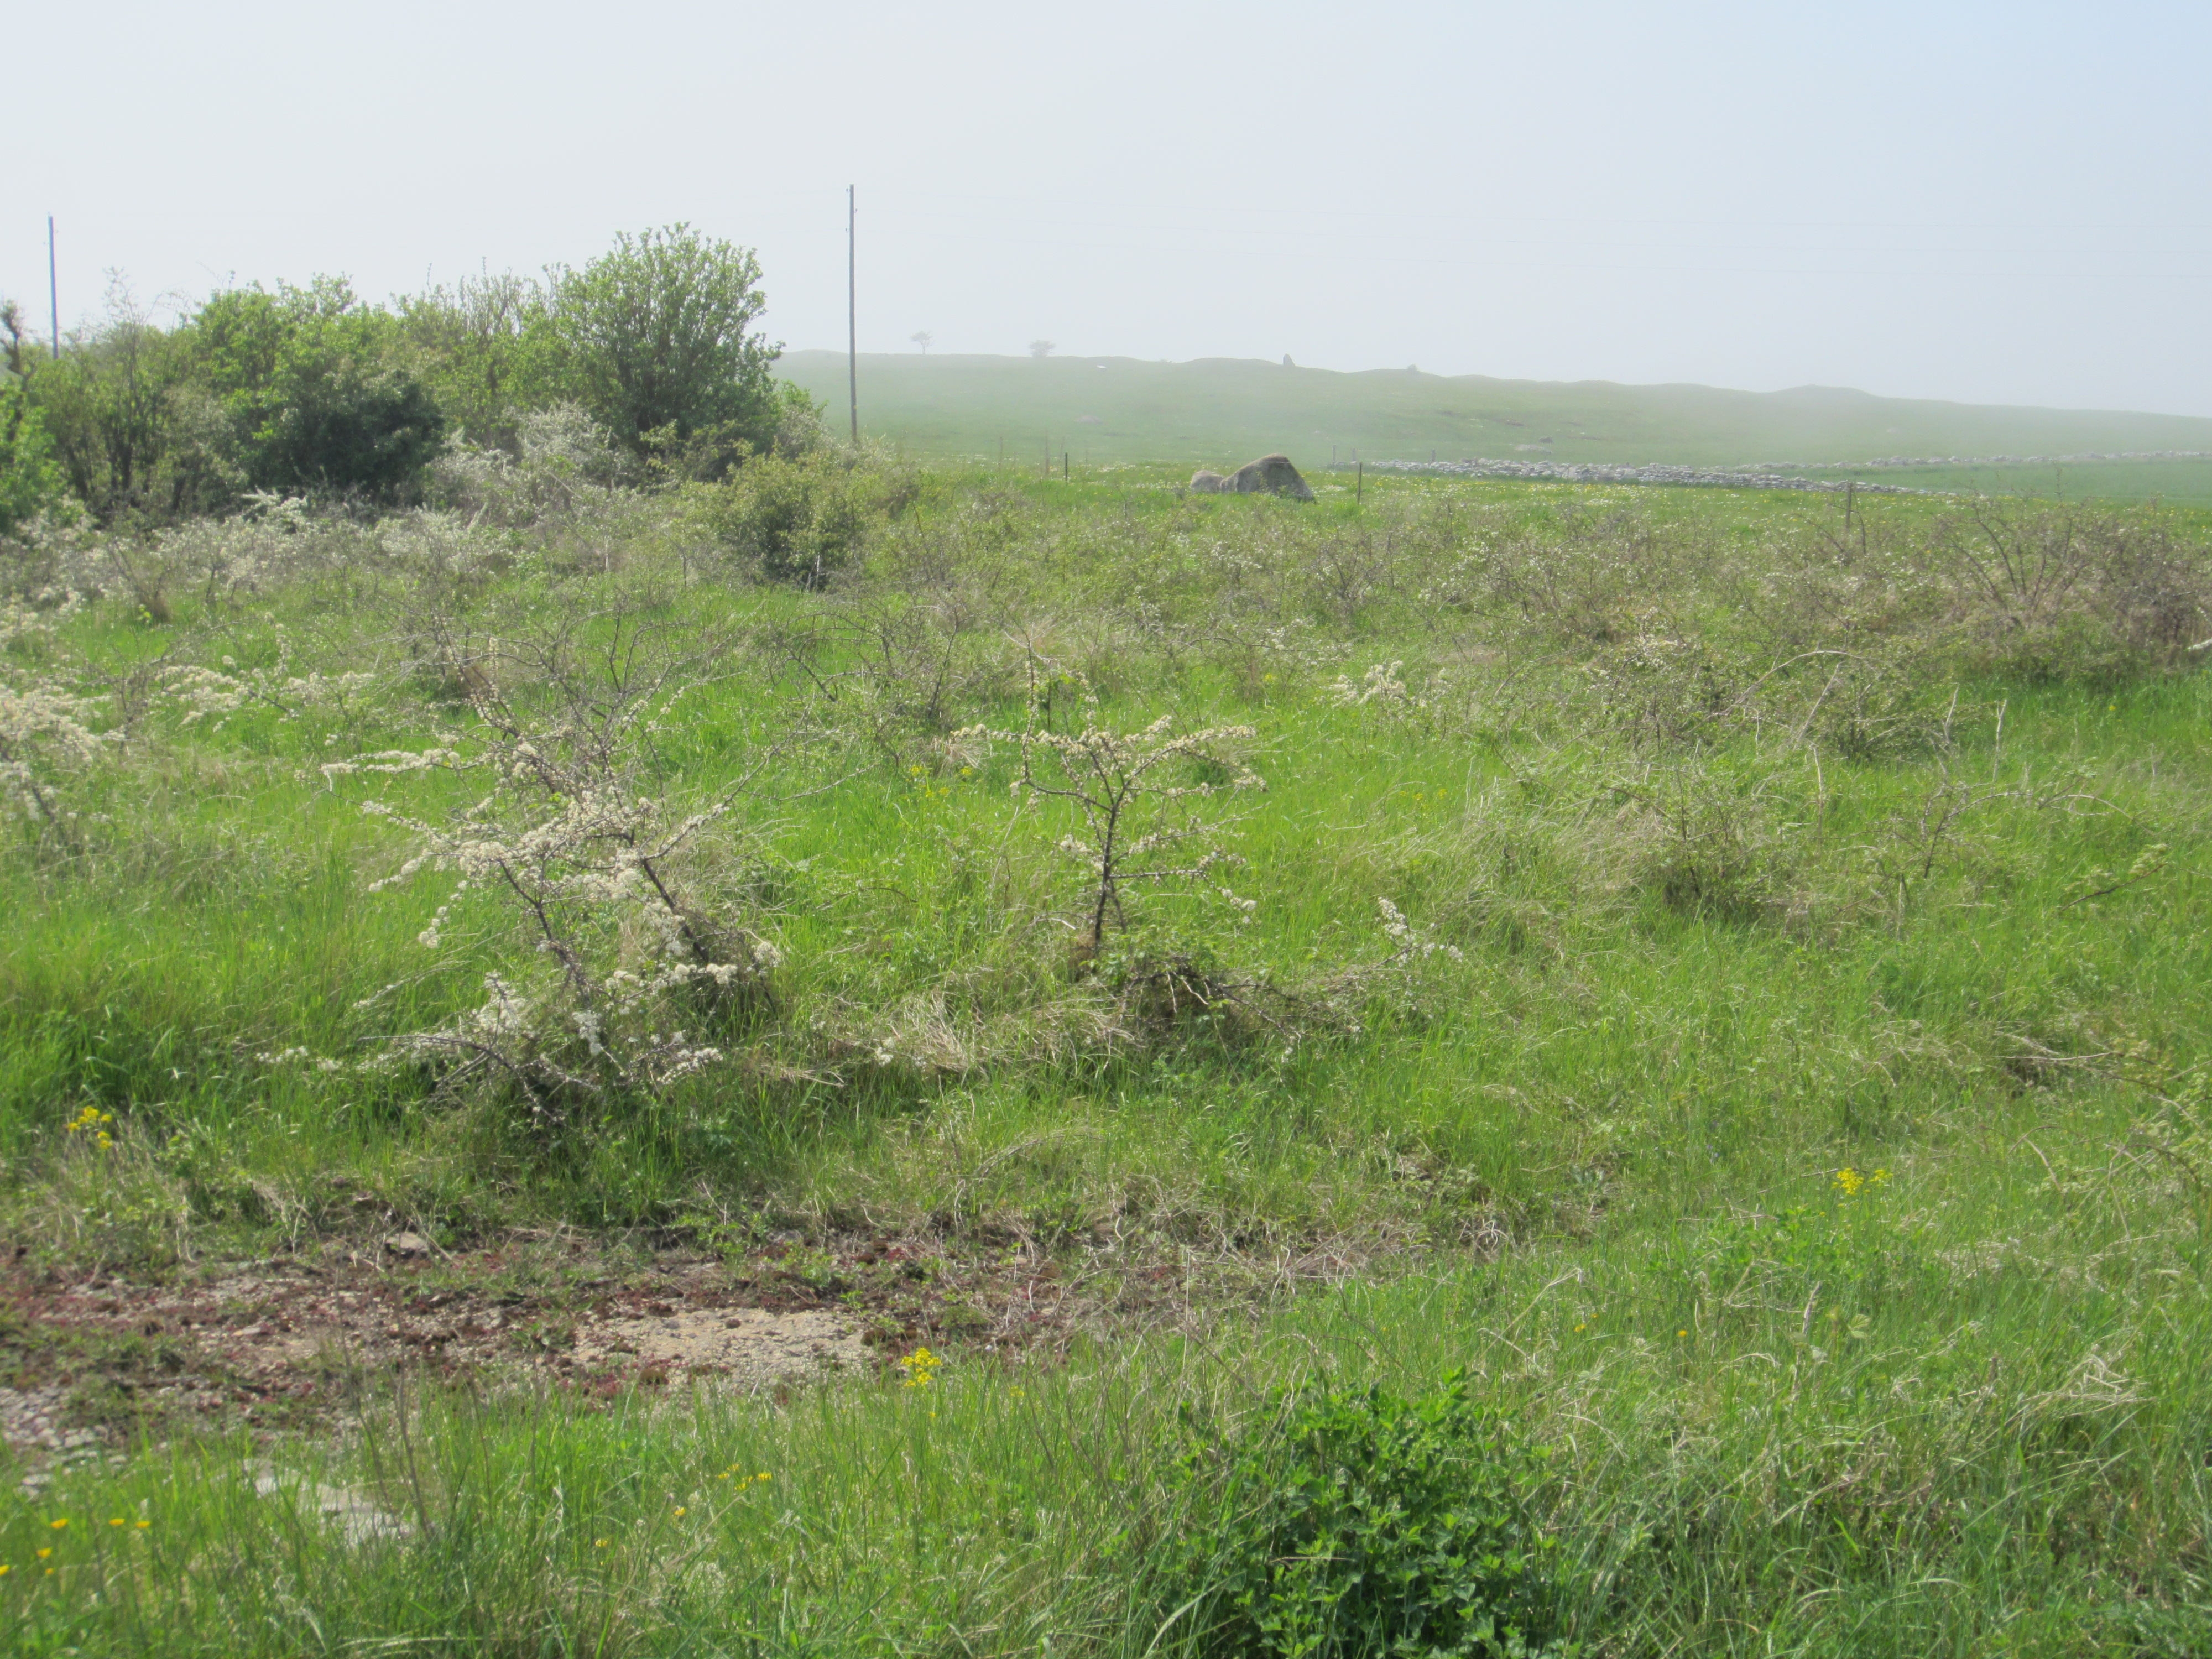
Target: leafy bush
{"type": "Point", "coordinates": [471, 344]}
{"type": "Point", "coordinates": [315, 397]}
{"type": "Point", "coordinates": [31, 481]}
{"type": "Point", "coordinates": [790, 520]}
{"type": "Point", "coordinates": [653, 338]}
{"type": "Point", "coordinates": [134, 432]}
{"type": "Point", "coordinates": [1361, 1523]}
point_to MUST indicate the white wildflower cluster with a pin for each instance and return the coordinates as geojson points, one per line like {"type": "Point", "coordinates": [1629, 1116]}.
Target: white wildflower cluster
{"type": "Point", "coordinates": [1344, 994]}
{"type": "Point", "coordinates": [393, 762]}
{"type": "Point", "coordinates": [568, 840]}
{"type": "Point", "coordinates": [566, 466]}
{"type": "Point", "coordinates": [48, 728]}
{"type": "Point", "coordinates": [220, 559]}
{"type": "Point", "coordinates": [296, 1056]}
{"type": "Point", "coordinates": [1297, 646]}
{"type": "Point", "coordinates": [34, 622]}
{"type": "Point", "coordinates": [440, 545]}
{"type": "Point", "coordinates": [1381, 689]}
{"type": "Point", "coordinates": [44, 732]}
{"type": "Point", "coordinates": [1410, 944]}
{"type": "Point", "coordinates": [222, 692]}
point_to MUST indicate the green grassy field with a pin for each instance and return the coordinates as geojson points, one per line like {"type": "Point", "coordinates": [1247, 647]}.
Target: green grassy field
{"type": "Point", "coordinates": [1729, 982]}
{"type": "Point", "coordinates": [1225, 411]}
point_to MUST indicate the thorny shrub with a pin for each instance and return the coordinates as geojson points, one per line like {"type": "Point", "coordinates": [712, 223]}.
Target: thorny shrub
{"type": "Point", "coordinates": [2053, 593]}
{"type": "Point", "coordinates": [561, 462]}
{"type": "Point", "coordinates": [1136, 799]}
{"type": "Point", "coordinates": [900, 650]}
{"type": "Point", "coordinates": [575, 839]}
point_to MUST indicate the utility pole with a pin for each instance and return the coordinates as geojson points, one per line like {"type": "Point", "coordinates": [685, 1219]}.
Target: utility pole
{"type": "Point", "coordinates": [852, 319]}
{"type": "Point", "coordinates": [53, 289]}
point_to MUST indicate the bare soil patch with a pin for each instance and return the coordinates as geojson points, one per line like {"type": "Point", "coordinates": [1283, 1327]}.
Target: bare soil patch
{"type": "Point", "coordinates": [292, 1342]}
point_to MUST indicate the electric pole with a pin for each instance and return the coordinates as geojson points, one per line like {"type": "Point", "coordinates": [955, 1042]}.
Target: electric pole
{"type": "Point", "coordinates": [852, 320]}
{"type": "Point", "coordinates": [53, 289]}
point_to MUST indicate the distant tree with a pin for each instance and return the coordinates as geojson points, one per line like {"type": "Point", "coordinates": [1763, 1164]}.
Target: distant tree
{"type": "Point", "coordinates": [317, 399]}
{"type": "Point", "coordinates": [132, 432]}
{"type": "Point", "coordinates": [471, 345]}
{"type": "Point", "coordinates": [31, 479]}
{"type": "Point", "coordinates": [922, 337]}
{"type": "Point", "coordinates": [1041, 349]}
{"type": "Point", "coordinates": [655, 339]}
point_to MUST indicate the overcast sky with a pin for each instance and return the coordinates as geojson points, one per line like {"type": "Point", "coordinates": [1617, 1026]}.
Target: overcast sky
{"type": "Point", "coordinates": [1950, 199]}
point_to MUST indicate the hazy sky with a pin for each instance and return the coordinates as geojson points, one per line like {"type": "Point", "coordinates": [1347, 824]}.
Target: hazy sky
{"type": "Point", "coordinates": [1993, 203]}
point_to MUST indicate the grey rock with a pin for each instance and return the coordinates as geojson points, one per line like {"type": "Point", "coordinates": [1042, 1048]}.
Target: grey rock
{"type": "Point", "coordinates": [1271, 475]}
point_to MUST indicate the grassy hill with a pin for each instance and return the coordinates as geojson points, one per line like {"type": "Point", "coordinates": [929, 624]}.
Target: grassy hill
{"type": "Point", "coordinates": [1227, 410]}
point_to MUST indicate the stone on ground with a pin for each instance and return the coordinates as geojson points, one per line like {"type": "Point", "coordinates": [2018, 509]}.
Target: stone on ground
{"type": "Point", "coordinates": [1271, 475]}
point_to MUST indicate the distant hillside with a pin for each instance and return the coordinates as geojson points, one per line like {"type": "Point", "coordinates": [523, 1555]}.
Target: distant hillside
{"type": "Point", "coordinates": [1225, 410]}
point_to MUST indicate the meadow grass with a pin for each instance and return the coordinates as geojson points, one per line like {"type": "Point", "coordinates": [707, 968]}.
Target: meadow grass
{"type": "Point", "coordinates": [1802, 1136]}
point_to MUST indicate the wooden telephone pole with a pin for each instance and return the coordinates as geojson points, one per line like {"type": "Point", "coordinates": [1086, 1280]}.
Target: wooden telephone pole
{"type": "Point", "coordinates": [852, 320]}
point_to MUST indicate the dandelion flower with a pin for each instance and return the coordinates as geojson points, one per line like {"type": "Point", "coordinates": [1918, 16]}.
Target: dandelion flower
{"type": "Point", "coordinates": [143, 1525]}
{"type": "Point", "coordinates": [44, 1554]}
{"type": "Point", "coordinates": [599, 1543]}
{"type": "Point", "coordinates": [680, 1512]}
{"type": "Point", "coordinates": [1682, 1333]}
{"type": "Point", "coordinates": [58, 1525]}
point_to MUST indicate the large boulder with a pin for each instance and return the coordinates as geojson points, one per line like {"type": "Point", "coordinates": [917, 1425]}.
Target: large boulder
{"type": "Point", "coordinates": [1271, 475]}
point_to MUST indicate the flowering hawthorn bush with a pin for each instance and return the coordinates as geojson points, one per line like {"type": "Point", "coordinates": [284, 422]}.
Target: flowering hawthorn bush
{"type": "Point", "coordinates": [569, 837]}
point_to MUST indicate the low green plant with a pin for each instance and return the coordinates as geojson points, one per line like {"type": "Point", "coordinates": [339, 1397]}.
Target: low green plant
{"type": "Point", "coordinates": [1357, 1523]}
